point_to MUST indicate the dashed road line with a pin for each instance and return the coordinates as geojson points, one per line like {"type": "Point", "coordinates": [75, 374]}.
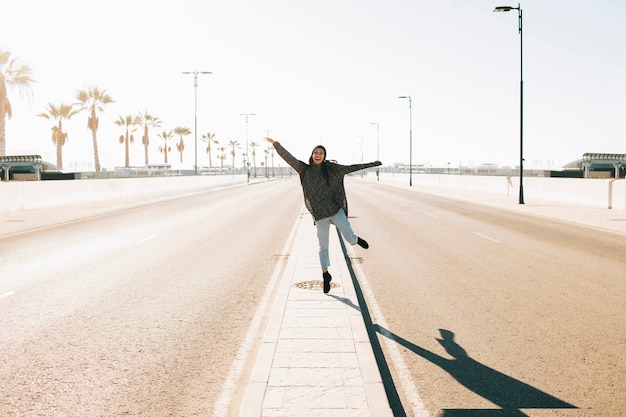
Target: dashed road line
{"type": "Point", "coordinates": [7, 294]}
{"type": "Point", "coordinates": [487, 237]}
{"type": "Point", "coordinates": [146, 239]}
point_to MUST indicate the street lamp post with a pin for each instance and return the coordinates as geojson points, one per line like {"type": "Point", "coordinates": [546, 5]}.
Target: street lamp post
{"type": "Point", "coordinates": [195, 113]}
{"type": "Point", "coordinates": [361, 136]}
{"type": "Point", "coordinates": [410, 140]}
{"type": "Point", "coordinates": [377, 149]}
{"type": "Point", "coordinates": [271, 149]}
{"type": "Point", "coordinates": [521, 96]}
{"type": "Point", "coordinates": [247, 156]}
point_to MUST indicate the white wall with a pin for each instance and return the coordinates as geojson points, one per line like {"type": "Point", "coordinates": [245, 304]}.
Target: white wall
{"type": "Point", "coordinates": [601, 193]}
{"type": "Point", "coordinates": [26, 195]}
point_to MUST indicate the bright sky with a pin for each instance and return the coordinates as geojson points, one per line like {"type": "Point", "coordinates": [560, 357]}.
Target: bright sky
{"type": "Point", "coordinates": [323, 71]}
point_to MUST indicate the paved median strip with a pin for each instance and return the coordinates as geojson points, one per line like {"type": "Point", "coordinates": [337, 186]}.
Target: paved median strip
{"type": "Point", "coordinates": [316, 357]}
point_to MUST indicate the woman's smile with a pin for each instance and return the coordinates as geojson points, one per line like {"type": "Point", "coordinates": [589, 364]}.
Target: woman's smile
{"type": "Point", "coordinates": [318, 156]}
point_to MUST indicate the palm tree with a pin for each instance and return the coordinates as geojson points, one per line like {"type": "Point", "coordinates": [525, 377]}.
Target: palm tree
{"type": "Point", "coordinates": [208, 138]}
{"type": "Point", "coordinates": [180, 146]}
{"type": "Point", "coordinates": [148, 121]}
{"type": "Point", "coordinates": [165, 148]}
{"type": "Point", "coordinates": [222, 155]}
{"type": "Point", "coordinates": [254, 145]}
{"type": "Point", "coordinates": [93, 99]}
{"type": "Point", "coordinates": [59, 137]}
{"type": "Point", "coordinates": [233, 144]}
{"type": "Point", "coordinates": [129, 122]}
{"type": "Point", "coordinates": [11, 75]}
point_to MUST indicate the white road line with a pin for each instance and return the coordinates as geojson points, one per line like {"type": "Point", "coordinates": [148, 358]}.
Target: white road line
{"type": "Point", "coordinates": [146, 239]}
{"type": "Point", "coordinates": [7, 294]}
{"type": "Point", "coordinates": [486, 237]}
{"type": "Point", "coordinates": [220, 409]}
{"type": "Point", "coordinates": [418, 409]}
{"type": "Point", "coordinates": [430, 214]}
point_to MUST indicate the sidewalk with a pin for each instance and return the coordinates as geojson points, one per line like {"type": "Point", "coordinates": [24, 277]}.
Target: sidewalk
{"type": "Point", "coordinates": [316, 358]}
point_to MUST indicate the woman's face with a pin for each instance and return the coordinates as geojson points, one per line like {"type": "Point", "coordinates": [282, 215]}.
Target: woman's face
{"type": "Point", "coordinates": [318, 156]}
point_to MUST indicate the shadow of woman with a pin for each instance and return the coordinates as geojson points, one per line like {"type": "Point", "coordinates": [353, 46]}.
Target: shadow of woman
{"type": "Point", "coordinates": [506, 392]}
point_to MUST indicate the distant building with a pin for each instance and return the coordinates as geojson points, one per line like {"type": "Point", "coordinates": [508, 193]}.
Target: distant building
{"type": "Point", "coordinates": [600, 165]}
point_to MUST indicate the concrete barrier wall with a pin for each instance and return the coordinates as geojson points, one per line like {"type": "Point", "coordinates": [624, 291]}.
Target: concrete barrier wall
{"type": "Point", "coordinates": [26, 195]}
{"type": "Point", "coordinates": [601, 193]}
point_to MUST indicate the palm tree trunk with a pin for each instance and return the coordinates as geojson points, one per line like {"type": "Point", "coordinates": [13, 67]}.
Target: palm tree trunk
{"type": "Point", "coordinates": [59, 142]}
{"type": "Point", "coordinates": [59, 154]}
{"type": "Point", "coordinates": [3, 142]}
{"type": "Point", "coordinates": [96, 158]}
{"type": "Point", "coordinates": [127, 159]}
{"type": "Point", "coordinates": [145, 144]}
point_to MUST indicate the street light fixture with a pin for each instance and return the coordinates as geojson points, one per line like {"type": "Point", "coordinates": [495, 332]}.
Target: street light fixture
{"type": "Point", "coordinates": [247, 156]}
{"type": "Point", "coordinates": [377, 149]}
{"type": "Point", "coordinates": [521, 97]}
{"type": "Point", "coordinates": [195, 113]}
{"type": "Point", "coordinates": [410, 140]}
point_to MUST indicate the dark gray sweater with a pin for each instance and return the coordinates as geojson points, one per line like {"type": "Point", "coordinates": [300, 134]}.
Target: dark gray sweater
{"type": "Point", "coordinates": [322, 199]}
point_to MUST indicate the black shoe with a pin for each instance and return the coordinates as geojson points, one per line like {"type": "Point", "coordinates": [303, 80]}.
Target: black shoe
{"type": "Point", "coordinates": [362, 243]}
{"type": "Point", "coordinates": [327, 278]}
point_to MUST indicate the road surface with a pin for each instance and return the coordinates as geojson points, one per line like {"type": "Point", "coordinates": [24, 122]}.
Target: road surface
{"type": "Point", "coordinates": [141, 311]}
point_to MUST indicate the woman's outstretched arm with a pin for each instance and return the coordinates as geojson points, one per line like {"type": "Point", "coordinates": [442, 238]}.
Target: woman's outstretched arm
{"type": "Point", "coordinates": [289, 158]}
{"type": "Point", "coordinates": [346, 169]}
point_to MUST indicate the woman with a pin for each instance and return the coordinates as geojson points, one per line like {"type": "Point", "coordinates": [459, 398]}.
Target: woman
{"type": "Point", "coordinates": [325, 198]}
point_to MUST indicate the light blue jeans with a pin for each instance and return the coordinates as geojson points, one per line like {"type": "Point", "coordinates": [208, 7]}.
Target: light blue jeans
{"type": "Point", "coordinates": [340, 220]}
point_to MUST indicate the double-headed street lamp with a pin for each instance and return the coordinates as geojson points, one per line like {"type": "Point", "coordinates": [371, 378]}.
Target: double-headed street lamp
{"type": "Point", "coordinates": [410, 140]}
{"type": "Point", "coordinates": [521, 97]}
{"type": "Point", "coordinates": [247, 156]}
{"type": "Point", "coordinates": [195, 112]}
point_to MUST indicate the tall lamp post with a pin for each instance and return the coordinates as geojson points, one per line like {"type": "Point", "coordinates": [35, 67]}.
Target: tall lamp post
{"type": "Point", "coordinates": [247, 156]}
{"type": "Point", "coordinates": [377, 149]}
{"type": "Point", "coordinates": [195, 113]}
{"type": "Point", "coordinates": [410, 140]}
{"type": "Point", "coordinates": [361, 136]}
{"type": "Point", "coordinates": [521, 96]}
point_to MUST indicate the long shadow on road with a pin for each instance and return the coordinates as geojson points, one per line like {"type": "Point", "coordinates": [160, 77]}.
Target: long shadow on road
{"type": "Point", "coordinates": [505, 391]}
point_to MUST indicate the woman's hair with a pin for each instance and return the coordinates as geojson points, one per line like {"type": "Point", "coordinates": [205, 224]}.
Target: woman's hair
{"type": "Point", "coordinates": [323, 166]}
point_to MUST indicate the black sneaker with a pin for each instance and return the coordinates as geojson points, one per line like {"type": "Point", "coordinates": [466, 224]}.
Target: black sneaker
{"type": "Point", "coordinates": [362, 243]}
{"type": "Point", "coordinates": [327, 278]}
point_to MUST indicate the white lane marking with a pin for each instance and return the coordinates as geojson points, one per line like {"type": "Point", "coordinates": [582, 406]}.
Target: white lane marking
{"type": "Point", "coordinates": [486, 237]}
{"type": "Point", "coordinates": [7, 294]}
{"type": "Point", "coordinates": [220, 409]}
{"type": "Point", "coordinates": [424, 212]}
{"type": "Point", "coordinates": [418, 409]}
{"type": "Point", "coordinates": [146, 239]}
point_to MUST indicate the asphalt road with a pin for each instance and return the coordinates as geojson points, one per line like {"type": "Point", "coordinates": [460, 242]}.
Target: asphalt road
{"type": "Point", "coordinates": [496, 313]}
{"type": "Point", "coordinates": [140, 311]}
